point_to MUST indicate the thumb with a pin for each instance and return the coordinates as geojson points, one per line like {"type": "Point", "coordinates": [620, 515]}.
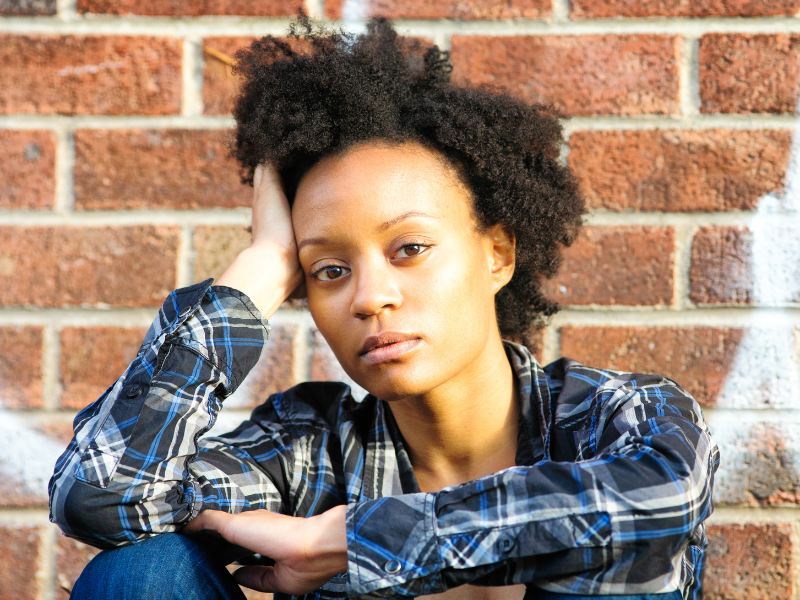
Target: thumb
{"type": "Point", "coordinates": [257, 578]}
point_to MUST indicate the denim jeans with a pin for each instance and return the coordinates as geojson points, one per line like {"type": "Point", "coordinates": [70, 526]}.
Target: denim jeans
{"type": "Point", "coordinates": [174, 567]}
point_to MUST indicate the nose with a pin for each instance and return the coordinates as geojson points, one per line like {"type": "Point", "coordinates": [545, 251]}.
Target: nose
{"type": "Point", "coordinates": [375, 291]}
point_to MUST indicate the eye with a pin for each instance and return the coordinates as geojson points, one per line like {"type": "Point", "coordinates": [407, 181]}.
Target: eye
{"type": "Point", "coordinates": [411, 250]}
{"type": "Point", "coordinates": [328, 273]}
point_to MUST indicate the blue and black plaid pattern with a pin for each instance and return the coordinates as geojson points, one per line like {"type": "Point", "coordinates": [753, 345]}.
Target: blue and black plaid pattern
{"type": "Point", "coordinates": [612, 484]}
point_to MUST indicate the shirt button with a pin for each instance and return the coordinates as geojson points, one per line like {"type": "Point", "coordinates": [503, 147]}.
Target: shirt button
{"type": "Point", "coordinates": [392, 566]}
{"type": "Point", "coordinates": [185, 311]}
{"type": "Point", "coordinates": [134, 391]}
{"type": "Point", "coordinates": [505, 544]}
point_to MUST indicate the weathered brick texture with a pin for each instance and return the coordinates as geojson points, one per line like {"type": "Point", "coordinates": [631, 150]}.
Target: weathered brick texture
{"type": "Point", "coordinates": [753, 560]}
{"type": "Point", "coordinates": [27, 172]}
{"type": "Point", "coordinates": [191, 8]}
{"type": "Point", "coordinates": [71, 558]}
{"type": "Point", "coordinates": [593, 9]}
{"type": "Point", "coordinates": [220, 84]}
{"type": "Point", "coordinates": [170, 168]}
{"type": "Point", "coordinates": [90, 74]}
{"type": "Point", "coordinates": [697, 358]}
{"type": "Point", "coordinates": [216, 247]}
{"type": "Point", "coordinates": [27, 8]}
{"type": "Point", "coordinates": [617, 265]}
{"type": "Point", "coordinates": [21, 369]}
{"type": "Point", "coordinates": [744, 73]}
{"type": "Point", "coordinates": [92, 358]}
{"type": "Point", "coordinates": [668, 170]}
{"type": "Point", "coordinates": [19, 562]}
{"type": "Point", "coordinates": [724, 264]}
{"type": "Point", "coordinates": [441, 9]}
{"type": "Point", "coordinates": [87, 266]}
{"type": "Point", "coordinates": [580, 75]}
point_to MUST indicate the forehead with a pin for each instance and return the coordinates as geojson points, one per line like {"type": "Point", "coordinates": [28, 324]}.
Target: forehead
{"type": "Point", "coordinates": [376, 182]}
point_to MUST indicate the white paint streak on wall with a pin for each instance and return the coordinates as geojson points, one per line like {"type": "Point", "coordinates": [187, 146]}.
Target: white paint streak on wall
{"type": "Point", "coordinates": [354, 15]}
{"type": "Point", "coordinates": [27, 457]}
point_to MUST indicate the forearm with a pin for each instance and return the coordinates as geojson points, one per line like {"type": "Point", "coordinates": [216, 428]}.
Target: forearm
{"type": "Point", "coordinates": [125, 474]}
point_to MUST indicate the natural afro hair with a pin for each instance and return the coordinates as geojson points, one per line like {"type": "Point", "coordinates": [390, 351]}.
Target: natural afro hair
{"type": "Point", "coordinates": [321, 92]}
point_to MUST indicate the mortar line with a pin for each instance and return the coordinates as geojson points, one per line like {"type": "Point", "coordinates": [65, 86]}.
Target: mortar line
{"type": "Point", "coordinates": [737, 514]}
{"type": "Point", "coordinates": [115, 122]}
{"type": "Point", "coordinates": [64, 168]}
{"type": "Point", "coordinates": [689, 73]}
{"type": "Point", "coordinates": [48, 563]}
{"type": "Point", "coordinates": [192, 77]}
{"type": "Point", "coordinates": [185, 258]}
{"type": "Point", "coordinates": [551, 344]}
{"type": "Point", "coordinates": [315, 9]}
{"type": "Point", "coordinates": [51, 358]}
{"type": "Point", "coordinates": [70, 23]}
{"type": "Point", "coordinates": [560, 11]}
{"type": "Point", "coordinates": [723, 317]}
{"type": "Point", "coordinates": [302, 351]}
{"type": "Point", "coordinates": [683, 258]}
{"type": "Point", "coordinates": [66, 10]}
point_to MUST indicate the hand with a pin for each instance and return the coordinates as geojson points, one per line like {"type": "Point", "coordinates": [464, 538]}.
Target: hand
{"type": "Point", "coordinates": [307, 552]}
{"type": "Point", "coordinates": [268, 271]}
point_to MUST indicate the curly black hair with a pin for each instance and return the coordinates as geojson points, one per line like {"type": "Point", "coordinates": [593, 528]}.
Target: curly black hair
{"type": "Point", "coordinates": [322, 91]}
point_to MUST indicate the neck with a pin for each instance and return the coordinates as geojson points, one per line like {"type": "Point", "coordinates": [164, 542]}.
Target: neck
{"type": "Point", "coordinates": [465, 428]}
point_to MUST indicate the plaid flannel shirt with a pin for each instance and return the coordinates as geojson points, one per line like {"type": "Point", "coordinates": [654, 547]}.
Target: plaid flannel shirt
{"type": "Point", "coordinates": [612, 484]}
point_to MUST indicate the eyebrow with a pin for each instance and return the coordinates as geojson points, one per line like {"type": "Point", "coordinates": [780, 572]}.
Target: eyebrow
{"type": "Point", "coordinates": [316, 241]}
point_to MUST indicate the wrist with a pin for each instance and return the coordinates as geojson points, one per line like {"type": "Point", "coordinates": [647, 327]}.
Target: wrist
{"type": "Point", "coordinates": [266, 273]}
{"type": "Point", "coordinates": [330, 535]}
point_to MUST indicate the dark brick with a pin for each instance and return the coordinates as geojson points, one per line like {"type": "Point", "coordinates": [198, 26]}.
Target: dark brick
{"type": "Point", "coordinates": [71, 558]}
{"type": "Point", "coordinates": [27, 173]}
{"type": "Point", "coordinates": [19, 562]}
{"type": "Point", "coordinates": [27, 8]}
{"type": "Point", "coordinates": [444, 9]}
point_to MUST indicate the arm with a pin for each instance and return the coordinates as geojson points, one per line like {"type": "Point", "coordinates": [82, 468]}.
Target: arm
{"type": "Point", "coordinates": [640, 488]}
{"type": "Point", "coordinates": [132, 470]}
{"type": "Point", "coordinates": [629, 504]}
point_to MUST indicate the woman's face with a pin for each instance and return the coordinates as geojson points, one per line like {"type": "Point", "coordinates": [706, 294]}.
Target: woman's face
{"type": "Point", "coordinates": [400, 281]}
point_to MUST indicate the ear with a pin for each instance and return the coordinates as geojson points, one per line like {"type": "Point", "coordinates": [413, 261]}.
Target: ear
{"type": "Point", "coordinates": [501, 252]}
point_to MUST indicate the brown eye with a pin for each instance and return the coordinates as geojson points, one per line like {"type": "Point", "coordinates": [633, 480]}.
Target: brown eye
{"type": "Point", "coordinates": [329, 273]}
{"type": "Point", "coordinates": [412, 250]}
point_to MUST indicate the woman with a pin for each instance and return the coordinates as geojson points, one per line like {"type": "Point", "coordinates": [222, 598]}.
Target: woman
{"type": "Point", "coordinates": [420, 219]}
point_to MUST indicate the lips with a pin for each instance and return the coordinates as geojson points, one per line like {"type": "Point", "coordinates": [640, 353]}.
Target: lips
{"type": "Point", "coordinates": [387, 346]}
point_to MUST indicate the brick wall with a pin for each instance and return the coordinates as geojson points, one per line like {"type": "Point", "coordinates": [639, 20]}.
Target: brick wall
{"type": "Point", "coordinates": [113, 132]}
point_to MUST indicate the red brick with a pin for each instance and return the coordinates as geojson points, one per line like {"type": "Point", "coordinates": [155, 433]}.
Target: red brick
{"type": "Point", "coordinates": [444, 9]}
{"type": "Point", "coordinates": [722, 270]}
{"type": "Point", "coordinates": [220, 85]}
{"type": "Point", "coordinates": [170, 168]}
{"type": "Point", "coordinates": [274, 371]}
{"type": "Point", "coordinates": [697, 358]}
{"type": "Point", "coordinates": [27, 8]}
{"type": "Point", "coordinates": [19, 562]}
{"type": "Point", "coordinates": [27, 173]}
{"type": "Point", "coordinates": [21, 366]}
{"type": "Point", "coordinates": [93, 358]}
{"type": "Point", "coordinates": [191, 8]}
{"type": "Point", "coordinates": [71, 558]}
{"type": "Point", "coordinates": [743, 73]}
{"type": "Point", "coordinates": [750, 561]}
{"type": "Point", "coordinates": [119, 266]}
{"type": "Point", "coordinates": [216, 247]}
{"type": "Point", "coordinates": [580, 75]}
{"type": "Point", "coordinates": [600, 9]}
{"type": "Point", "coordinates": [115, 75]}
{"type": "Point", "coordinates": [617, 265]}
{"type": "Point", "coordinates": [707, 170]}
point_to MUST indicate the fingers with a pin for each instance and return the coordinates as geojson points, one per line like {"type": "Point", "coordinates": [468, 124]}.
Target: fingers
{"type": "Point", "coordinates": [257, 578]}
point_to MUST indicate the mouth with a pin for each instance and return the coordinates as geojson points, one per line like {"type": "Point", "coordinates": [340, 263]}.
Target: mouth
{"type": "Point", "coordinates": [388, 346]}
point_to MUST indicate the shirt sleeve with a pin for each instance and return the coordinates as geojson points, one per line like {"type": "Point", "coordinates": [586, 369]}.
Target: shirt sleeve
{"type": "Point", "coordinates": [137, 465]}
{"type": "Point", "coordinates": [619, 517]}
